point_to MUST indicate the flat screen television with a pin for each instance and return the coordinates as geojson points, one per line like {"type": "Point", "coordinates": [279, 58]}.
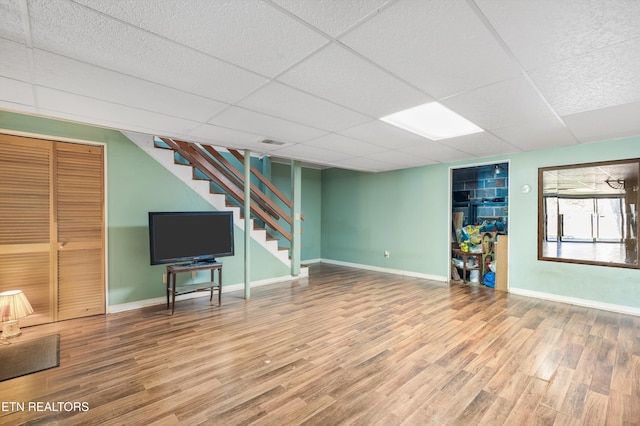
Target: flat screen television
{"type": "Point", "coordinates": [190, 237]}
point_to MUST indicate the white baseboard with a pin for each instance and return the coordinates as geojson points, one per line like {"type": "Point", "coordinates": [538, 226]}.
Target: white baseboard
{"type": "Point", "coordinates": [576, 301]}
{"type": "Point", "coordinates": [387, 270]}
{"type": "Point", "coordinates": [304, 272]}
{"type": "Point", "coordinates": [522, 292]}
{"type": "Point", "coordinates": [310, 261]}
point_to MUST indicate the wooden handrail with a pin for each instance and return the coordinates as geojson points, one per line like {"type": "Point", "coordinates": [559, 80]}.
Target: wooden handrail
{"type": "Point", "coordinates": [264, 180]}
{"type": "Point", "coordinates": [261, 195]}
{"type": "Point", "coordinates": [203, 162]}
{"type": "Point", "coordinates": [238, 181]}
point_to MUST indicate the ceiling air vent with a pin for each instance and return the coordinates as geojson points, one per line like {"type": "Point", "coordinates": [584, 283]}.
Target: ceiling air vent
{"type": "Point", "coordinates": [272, 142]}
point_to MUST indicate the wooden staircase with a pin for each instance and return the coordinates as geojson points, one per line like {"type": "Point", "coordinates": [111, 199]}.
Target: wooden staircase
{"type": "Point", "coordinates": [211, 174]}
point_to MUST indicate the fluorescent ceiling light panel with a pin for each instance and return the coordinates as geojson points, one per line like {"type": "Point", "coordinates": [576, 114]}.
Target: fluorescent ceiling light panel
{"type": "Point", "coordinates": [433, 121]}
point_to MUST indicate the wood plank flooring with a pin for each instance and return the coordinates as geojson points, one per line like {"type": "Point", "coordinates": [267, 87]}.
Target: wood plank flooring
{"type": "Point", "coordinates": [342, 347]}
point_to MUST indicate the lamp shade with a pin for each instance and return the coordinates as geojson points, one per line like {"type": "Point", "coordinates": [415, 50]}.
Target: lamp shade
{"type": "Point", "coordinates": [14, 305]}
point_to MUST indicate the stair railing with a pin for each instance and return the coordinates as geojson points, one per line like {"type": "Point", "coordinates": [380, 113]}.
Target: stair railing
{"type": "Point", "coordinates": [262, 178]}
{"type": "Point", "coordinates": [220, 171]}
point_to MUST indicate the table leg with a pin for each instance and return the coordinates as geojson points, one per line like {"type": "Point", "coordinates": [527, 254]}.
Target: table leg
{"type": "Point", "coordinates": [219, 286]}
{"type": "Point", "coordinates": [173, 296]}
{"type": "Point", "coordinates": [212, 276]}
{"type": "Point", "coordinates": [168, 284]}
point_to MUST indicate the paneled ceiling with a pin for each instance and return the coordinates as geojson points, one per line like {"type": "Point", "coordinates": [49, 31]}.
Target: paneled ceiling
{"type": "Point", "coordinates": [316, 75]}
{"type": "Point", "coordinates": [603, 179]}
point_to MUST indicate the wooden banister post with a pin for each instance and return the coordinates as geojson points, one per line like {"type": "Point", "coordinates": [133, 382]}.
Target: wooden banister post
{"type": "Point", "coordinates": [296, 195]}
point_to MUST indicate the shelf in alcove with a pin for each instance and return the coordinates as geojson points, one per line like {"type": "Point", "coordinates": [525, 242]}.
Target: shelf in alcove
{"type": "Point", "coordinates": [490, 217]}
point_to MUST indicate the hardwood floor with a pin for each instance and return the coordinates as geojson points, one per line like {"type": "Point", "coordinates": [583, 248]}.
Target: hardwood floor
{"type": "Point", "coordinates": [344, 346]}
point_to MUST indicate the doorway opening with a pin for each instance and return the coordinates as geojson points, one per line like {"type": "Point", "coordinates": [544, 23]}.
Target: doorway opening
{"type": "Point", "coordinates": [480, 222]}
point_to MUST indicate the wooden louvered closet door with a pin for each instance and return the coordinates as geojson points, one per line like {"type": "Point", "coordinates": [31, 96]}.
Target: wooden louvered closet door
{"type": "Point", "coordinates": [26, 261]}
{"type": "Point", "coordinates": [52, 226]}
{"type": "Point", "coordinates": [79, 217]}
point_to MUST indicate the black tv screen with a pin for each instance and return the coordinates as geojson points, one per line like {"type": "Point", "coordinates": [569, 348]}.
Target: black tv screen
{"type": "Point", "coordinates": [190, 236]}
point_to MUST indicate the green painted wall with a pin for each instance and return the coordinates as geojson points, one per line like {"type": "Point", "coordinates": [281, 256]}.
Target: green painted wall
{"type": "Point", "coordinates": [311, 206]}
{"type": "Point", "coordinates": [137, 184]}
{"type": "Point", "coordinates": [604, 284]}
{"type": "Point", "coordinates": [364, 214]}
{"type": "Point", "coordinates": [406, 212]}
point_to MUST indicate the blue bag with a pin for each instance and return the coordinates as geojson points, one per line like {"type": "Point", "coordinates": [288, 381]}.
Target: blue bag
{"type": "Point", "coordinates": [490, 279]}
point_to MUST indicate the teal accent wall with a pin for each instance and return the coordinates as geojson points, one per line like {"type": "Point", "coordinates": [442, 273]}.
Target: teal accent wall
{"type": "Point", "coordinates": [137, 184]}
{"type": "Point", "coordinates": [617, 286]}
{"type": "Point", "coordinates": [406, 212]}
{"type": "Point", "coordinates": [311, 207]}
{"type": "Point", "coordinates": [403, 211]}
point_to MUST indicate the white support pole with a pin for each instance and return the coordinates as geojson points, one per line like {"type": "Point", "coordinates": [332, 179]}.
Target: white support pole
{"type": "Point", "coordinates": [296, 198]}
{"type": "Point", "coordinates": [247, 224]}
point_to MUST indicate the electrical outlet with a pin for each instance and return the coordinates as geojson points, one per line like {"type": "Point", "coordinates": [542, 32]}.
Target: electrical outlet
{"type": "Point", "coordinates": [193, 275]}
{"type": "Point", "coordinates": [387, 254]}
{"type": "Point", "coordinates": [164, 278]}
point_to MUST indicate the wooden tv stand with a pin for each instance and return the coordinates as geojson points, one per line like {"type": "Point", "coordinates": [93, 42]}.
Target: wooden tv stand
{"type": "Point", "coordinates": [172, 290]}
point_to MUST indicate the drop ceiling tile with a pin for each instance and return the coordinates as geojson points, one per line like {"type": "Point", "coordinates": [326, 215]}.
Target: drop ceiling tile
{"type": "Point", "coordinates": [96, 121]}
{"type": "Point", "coordinates": [11, 106]}
{"type": "Point", "coordinates": [532, 136]}
{"type": "Point", "coordinates": [435, 151]}
{"type": "Point", "coordinates": [501, 104]}
{"type": "Point", "coordinates": [383, 134]}
{"type": "Point", "coordinates": [607, 123]}
{"type": "Point", "coordinates": [544, 32]}
{"type": "Point", "coordinates": [440, 47]}
{"type": "Point", "coordinates": [333, 17]}
{"type": "Point", "coordinates": [56, 100]}
{"type": "Point", "coordinates": [69, 29]}
{"type": "Point", "coordinates": [365, 164]}
{"type": "Point", "coordinates": [310, 153]}
{"type": "Point", "coordinates": [12, 27]}
{"type": "Point", "coordinates": [399, 158]}
{"type": "Point", "coordinates": [257, 147]}
{"type": "Point", "coordinates": [224, 137]}
{"type": "Point", "coordinates": [266, 126]}
{"type": "Point", "coordinates": [15, 60]}
{"type": "Point", "coordinates": [243, 142]}
{"type": "Point", "coordinates": [72, 76]}
{"type": "Point", "coordinates": [16, 91]}
{"type": "Point", "coordinates": [258, 37]}
{"type": "Point", "coordinates": [482, 144]}
{"type": "Point", "coordinates": [336, 74]}
{"type": "Point", "coordinates": [343, 144]}
{"type": "Point", "coordinates": [278, 100]}
{"type": "Point", "coordinates": [600, 79]}
{"type": "Point", "coordinates": [304, 164]}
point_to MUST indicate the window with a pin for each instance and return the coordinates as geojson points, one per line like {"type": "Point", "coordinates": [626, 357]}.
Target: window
{"type": "Point", "coordinates": [589, 213]}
